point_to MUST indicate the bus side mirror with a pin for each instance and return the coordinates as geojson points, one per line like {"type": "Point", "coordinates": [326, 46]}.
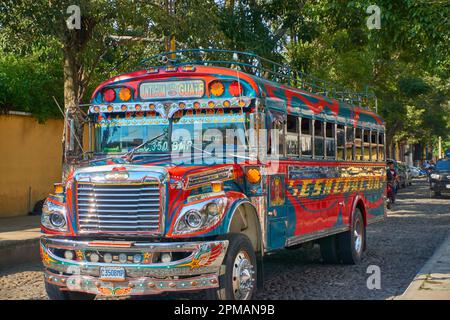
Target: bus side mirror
{"type": "Point", "coordinates": [70, 131]}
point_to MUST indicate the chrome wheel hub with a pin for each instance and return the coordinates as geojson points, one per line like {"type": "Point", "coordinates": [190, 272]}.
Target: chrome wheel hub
{"type": "Point", "coordinates": [358, 236]}
{"type": "Point", "coordinates": [243, 276]}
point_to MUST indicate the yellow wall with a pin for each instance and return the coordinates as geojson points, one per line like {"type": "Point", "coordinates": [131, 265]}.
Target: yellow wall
{"type": "Point", "coordinates": [30, 162]}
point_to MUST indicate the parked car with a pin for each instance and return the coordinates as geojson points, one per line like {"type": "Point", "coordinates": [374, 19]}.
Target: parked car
{"type": "Point", "coordinates": [440, 178]}
{"type": "Point", "coordinates": [415, 172]}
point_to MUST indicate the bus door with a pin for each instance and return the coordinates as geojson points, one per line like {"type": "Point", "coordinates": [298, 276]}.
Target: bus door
{"type": "Point", "coordinates": [276, 202]}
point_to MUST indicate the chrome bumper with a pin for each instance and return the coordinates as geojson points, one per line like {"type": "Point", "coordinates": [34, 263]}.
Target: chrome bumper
{"type": "Point", "coordinates": [198, 269]}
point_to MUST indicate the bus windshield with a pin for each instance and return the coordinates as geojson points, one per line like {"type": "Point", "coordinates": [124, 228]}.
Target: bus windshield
{"type": "Point", "coordinates": [208, 134]}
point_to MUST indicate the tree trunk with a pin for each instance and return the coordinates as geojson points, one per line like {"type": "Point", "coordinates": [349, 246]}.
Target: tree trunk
{"type": "Point", "coordinates": [73, 128]}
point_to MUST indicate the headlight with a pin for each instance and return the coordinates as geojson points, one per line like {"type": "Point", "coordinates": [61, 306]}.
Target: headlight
{"type": "Point", "coordinates": [54, 216]}
{"type": "Point", "coordinates": [194, 219]}
{"type": "Point", "coordinates": [434, 176]}
{"type": "Point", "coordinates": [200, 216]}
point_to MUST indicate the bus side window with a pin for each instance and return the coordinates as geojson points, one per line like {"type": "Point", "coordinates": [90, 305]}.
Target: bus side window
{"type": "Point", "coordinates": [381, 146]}
{"type": "Point", "coordinates": [349, 144]}
{"type": "Point", "coordinates": [373, 146]}
{"type": "Point", "coordinates": [340, 139]}
{"type": "Point", "coordinates": [330, 146]}
{"type": "Point", "coordinates": [276, 135]}
{"type": "Point", "coordinates": [306, 137]}
{"type": "Point", "coordinates": [366, 145]}
{"type": "Point", "coordinates": [358, 144]}
{"type": "Point", "coordinates": [318, 139]}
{"type": "Point", "coordinates": [292, 136]}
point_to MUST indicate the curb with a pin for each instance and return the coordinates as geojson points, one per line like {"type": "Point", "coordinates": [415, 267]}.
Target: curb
{"type": "Point", "coordinates": [424, 272]}
{"type": "Point", "coordinates": [15, 252]}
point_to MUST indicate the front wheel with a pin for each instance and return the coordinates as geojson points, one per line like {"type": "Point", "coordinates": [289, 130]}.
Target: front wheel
{"type": "Point", "coordinates": [351, 243]}
{"type": "Point", "coordinates": [239, 280]}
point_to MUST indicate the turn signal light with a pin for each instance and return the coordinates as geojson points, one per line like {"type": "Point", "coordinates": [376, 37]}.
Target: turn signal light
{"type": "Point", "coordinates": [58, 188]}
{"type": "Point", "coordinates": [253, 175]}
{"type": "Point", "coordinates": [217, 88]}
{"type": "Point", "coordinates": [125, 94]}
{"type": "Point", "coordinates": [217, 186]}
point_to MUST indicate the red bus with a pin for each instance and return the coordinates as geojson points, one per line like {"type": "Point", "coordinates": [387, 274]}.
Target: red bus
{"type": "Point", "coordinates": [197, 171]}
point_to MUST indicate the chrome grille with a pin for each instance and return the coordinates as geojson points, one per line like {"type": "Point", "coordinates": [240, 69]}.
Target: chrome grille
{"type": "Point", "coordinates": [118, 208]}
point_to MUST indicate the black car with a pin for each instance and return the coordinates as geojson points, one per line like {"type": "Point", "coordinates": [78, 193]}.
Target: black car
{"type": "Point", "coordinates": [440, 178]}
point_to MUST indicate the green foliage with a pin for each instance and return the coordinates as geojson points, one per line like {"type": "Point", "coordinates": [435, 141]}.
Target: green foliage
{"type": "Point", "coordinates": [406, 62]}
{"type": "Point", "coordinates": [28, 84]}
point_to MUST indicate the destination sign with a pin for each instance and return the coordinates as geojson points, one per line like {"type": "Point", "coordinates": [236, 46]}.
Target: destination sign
{"type": "Point", "coordinates": [172, 89]}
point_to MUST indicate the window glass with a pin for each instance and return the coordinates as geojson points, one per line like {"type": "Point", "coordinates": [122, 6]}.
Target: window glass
{"type": "Point", "coordinates": [349, 144]}
{"type": "Point", "coordinates": [366, 145]}
{"type": "Point", "coordinates": [373, 146]}
{"type": "Point", "coordinates": [329, 140]}
{"type": "Point", "coordinates": [276, 135]}
{"type": "Point", "coordinates": [292, 136]}
{"type": "Point", "coordinates": [358, 144]}
{"type": "Point", "coordinates": [318, 138]}
{"type": "Point", "coordinates": [306, 137]}
{"type": "Point", "coordinates": [340, 137]}
{"type": "Point", "coordinates": [381, 146]}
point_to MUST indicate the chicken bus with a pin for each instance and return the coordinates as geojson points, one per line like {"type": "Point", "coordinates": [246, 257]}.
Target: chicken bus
{"type": "Point", "coordinates": [200, 167]}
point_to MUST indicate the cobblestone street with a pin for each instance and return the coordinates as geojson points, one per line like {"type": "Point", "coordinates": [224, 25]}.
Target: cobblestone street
{"type": "Point", "coordinates": [399, 246]}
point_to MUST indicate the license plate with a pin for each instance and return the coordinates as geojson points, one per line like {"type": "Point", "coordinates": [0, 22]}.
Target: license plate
{"type": "Point", "coordinates": [112, 273]}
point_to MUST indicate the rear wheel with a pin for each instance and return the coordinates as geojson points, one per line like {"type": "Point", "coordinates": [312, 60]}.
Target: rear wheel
{"type": "Point", "coordinates": [352, 243]}
{"type": "Point", "coordinates": [239, 280]}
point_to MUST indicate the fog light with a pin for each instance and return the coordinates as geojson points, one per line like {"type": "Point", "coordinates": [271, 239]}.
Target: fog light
{"type": "Point", "coordinates": [166, 257]}
{"type": "Point", "coordinates": [137, 258]}
{"type": "Point", "coordinates": [94, 257]}
{"type": "Point", "coordinates": [107, 257]}
{"type": "Point", "coordinates": [68, 255]}
{"type": "Point", "coordinates": [123, 258]}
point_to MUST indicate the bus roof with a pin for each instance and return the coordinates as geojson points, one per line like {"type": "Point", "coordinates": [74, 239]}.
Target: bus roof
{"type": "Point", "coordinates": [292, 100]}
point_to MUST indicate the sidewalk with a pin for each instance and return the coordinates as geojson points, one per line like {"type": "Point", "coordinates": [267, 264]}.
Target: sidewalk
{"type": "Point", "coordinates": [433, 281]}
{"type": "Point", "coordinates": [19, 240]}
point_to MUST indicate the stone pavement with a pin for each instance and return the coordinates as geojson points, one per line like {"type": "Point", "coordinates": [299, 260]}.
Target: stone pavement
{"type": "Point", "coordinates": [433, 280]}
{"type": "Point", "coordinates": [19, 240]}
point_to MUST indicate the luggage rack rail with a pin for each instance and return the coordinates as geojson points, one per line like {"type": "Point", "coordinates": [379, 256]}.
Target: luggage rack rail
{"type": "Point", "coordinates": [253, 64]}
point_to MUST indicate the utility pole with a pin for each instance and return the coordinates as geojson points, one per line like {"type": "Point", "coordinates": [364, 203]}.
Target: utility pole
{"type": "Point", "coordinates": [440, 147]}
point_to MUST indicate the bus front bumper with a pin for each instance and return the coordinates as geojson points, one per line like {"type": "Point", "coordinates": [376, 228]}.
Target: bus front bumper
{"type": "Point", "coordinates": [79, 265]}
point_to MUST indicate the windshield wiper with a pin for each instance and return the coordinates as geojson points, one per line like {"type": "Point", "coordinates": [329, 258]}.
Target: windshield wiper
{"type": "Point", "coordinates": [227, 154]}
{"type": "Point", "coordinates": [129, 154]}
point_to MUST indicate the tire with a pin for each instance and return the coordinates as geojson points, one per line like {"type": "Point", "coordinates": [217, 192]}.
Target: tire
{"type": "Point", "coordinates": [352, 243]}
{"type": "Point", "coordinates": [329, 250]}
{"type": "Point", "coordinates": [55, 293]}
{"type": "Point", "coordinates": [240, 257]}
{"type": "Point", "coordinates": [436, 194]}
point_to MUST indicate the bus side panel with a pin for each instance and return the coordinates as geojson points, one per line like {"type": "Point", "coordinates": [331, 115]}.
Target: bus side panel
{"type": "Point", "coordinates": [321, 195]}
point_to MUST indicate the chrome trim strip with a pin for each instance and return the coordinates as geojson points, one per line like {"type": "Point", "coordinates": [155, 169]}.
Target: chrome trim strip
{"type": "Point", "coordinates": [315, 235]}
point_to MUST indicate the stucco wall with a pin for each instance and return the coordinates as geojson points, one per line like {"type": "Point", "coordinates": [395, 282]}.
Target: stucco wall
{"type": "Point", "coordinates": [30, 162]}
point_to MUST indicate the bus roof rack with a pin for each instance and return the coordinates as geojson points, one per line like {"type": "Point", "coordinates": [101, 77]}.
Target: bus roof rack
{"type": "Point", "coordinates": [261, 67]}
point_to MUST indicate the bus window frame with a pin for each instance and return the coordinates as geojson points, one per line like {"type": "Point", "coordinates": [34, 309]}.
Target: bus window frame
{"type": "Point", "coordinates": [292, 155]}
{"type": "Point", "coordinates": [311, 131]}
